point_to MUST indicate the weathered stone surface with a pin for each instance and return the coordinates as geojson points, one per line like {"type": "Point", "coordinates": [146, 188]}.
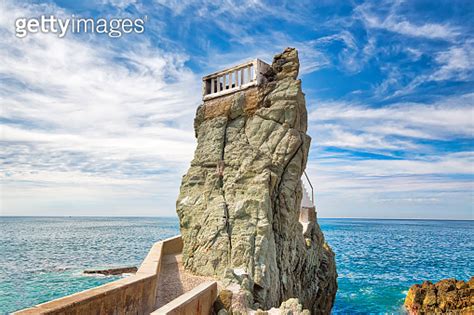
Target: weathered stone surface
{"type": "Point", "coordinates": [292, 307]}
{"type": "Point", "coordinates": [239, 202]}
{"type": "Point", "coordinates": [224, 300]}
{"type": "Point", "coordinates": [446, 296]}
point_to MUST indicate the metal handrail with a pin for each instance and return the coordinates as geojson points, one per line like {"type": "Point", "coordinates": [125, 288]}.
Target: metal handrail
{"type": "Point", "coordinates": [310, 185]}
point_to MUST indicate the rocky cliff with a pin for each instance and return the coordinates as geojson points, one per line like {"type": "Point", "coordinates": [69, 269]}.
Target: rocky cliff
{"type": "Point", "coordinates": [448, 296]}
{"type": "Point", "coordinates": [239, 202]}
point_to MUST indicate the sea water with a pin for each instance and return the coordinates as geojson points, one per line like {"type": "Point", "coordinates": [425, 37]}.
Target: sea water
{"type": "Point", "coordinates": [42, 258]}
{"type": "Point", "coordinates": [378, 260]}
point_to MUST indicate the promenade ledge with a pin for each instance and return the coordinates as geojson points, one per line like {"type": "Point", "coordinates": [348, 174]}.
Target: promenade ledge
{"type": "Point", "coordinates": [160, 286]}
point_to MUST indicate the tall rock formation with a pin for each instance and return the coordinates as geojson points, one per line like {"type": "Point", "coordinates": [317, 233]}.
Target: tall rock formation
{"type": "Point", "coordinates": [239, 203]}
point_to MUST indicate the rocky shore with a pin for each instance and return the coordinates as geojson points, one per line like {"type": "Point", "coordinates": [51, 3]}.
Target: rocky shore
{"type": "Point", "coordinates": [448, 296]}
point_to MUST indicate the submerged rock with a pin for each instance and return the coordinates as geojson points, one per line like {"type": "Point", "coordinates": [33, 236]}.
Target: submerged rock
{"type": "Point", "coordinates": [112, 271]}
{"type": "Point", "coordinates": [446, 296]}
{"type": "Point", "coordinates": [239, 202]}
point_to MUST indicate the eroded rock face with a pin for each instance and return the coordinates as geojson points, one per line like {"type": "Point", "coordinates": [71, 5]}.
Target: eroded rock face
{"type": "Point", "coordinates": [239, 202]}
{"type": "Point", "coordinates": [446, 296]}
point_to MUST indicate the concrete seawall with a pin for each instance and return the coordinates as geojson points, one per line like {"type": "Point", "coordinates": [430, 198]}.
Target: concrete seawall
{"type": "Point", "coordinates": [136, 294]}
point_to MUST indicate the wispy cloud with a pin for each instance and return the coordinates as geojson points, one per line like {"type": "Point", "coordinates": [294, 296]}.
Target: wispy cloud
{"type": "Point", "coordinates": [445, 119]}
{"type": "Point", "coordinates": [105, 114]}
{"type": "Point", "coordinates": [433, 186]}
{"type": "Point", "coordinates": [396, 22]}
{"type": "Point", "coordinates": [454, 64]}
{"type": "Point", "coordinates": [457, 63]}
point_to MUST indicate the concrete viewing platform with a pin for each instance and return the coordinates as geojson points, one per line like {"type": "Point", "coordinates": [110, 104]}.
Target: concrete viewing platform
{"type": "Point", "coordinates": [233, 79]}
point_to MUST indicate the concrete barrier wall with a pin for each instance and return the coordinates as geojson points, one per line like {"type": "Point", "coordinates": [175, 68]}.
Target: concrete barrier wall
{"type": "Point", "coordinates": [198, 301]}
{"type": "Point", "coordinates": [132, 295]}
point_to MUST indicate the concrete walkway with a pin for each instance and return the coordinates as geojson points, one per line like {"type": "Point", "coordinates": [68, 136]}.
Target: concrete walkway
{"type": "Point", "coordinates": [174, 281]}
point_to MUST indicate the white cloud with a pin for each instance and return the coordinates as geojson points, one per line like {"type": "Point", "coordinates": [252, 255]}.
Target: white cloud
{"type": "Point", "coordinates": [107, 114]}
{"type": "Point", "coordinates": [428, 30]}
{"type": "Point", "coordinates": [423, 187]}
{"type": "Point", "coordinates": [120, 3]}
{"type": "Point", "coordinates": [415, 53]}
{"type": "Point", "coordinates": [443, 120]}
{"type": "Point", "coordinates": [397, 23]}
{"type": "Point", "coordinates": [457, 63]}
{"type": "Point", "coordinates": [351, 58]}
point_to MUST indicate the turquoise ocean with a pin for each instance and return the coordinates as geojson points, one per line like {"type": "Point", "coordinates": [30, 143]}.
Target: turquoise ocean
{"type": "Point", "coordinates": [42, 258]}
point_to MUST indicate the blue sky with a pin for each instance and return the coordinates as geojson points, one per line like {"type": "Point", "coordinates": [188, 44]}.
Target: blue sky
{"type": "Point", "coordinates": [100, 126]}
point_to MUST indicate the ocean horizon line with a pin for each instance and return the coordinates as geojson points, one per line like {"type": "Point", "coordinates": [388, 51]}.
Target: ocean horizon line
{"type": "Point", "coordinates": [175, 217]}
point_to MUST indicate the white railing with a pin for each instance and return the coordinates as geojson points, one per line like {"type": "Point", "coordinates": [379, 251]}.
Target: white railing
{"type": "Point", "coordinates": [233, 79]}
{"type": "Point", "coordinates": [307, 202]}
